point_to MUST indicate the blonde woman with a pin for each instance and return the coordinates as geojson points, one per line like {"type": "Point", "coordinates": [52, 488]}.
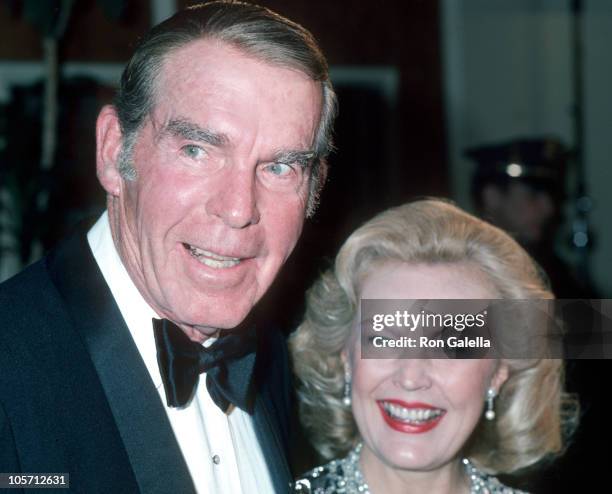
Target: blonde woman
{"type": "Point", "coordinates": [430, 426]}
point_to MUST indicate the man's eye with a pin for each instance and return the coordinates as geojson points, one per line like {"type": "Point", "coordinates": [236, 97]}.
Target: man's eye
{"type": "Point", "coordinates": [193, 151]}
{"type": "Point", "coordinates": [279, 169]}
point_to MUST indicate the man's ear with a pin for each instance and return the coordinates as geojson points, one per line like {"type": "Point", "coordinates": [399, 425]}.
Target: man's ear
{"type": "Point", "coordinates": [109, 141]}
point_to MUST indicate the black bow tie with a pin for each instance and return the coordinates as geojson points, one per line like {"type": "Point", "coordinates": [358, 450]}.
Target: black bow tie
{"type": "Point", "coordinates": [228, 364]}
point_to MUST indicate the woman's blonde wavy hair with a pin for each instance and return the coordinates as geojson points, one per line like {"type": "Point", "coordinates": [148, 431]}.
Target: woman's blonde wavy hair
{"type": "Point", "coordinates": [532, 410]}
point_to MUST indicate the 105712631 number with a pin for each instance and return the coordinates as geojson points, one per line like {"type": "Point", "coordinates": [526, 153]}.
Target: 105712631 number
{"type": "Point", "coordinates": [34, 480]}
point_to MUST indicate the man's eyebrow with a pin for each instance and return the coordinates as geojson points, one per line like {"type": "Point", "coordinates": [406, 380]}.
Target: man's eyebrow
{"type": "Point", "coordinates": [303, 158]}
{"type": "Point", "coordinates": [193, 132]}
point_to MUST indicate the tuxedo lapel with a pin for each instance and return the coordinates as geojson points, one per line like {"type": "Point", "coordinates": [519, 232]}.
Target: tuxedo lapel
{"type": "Point", "coordinates": [271, 410]}
{"type": "Point", "coordinates": [269, 435]}
{"type": "Point", "coordinates": [154, 454]}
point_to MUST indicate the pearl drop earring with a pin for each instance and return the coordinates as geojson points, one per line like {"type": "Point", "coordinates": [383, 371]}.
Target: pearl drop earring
{"type": "Point", "coordinates": [490, 413]}
{"type": "Point", "coordinates": [346, 400]}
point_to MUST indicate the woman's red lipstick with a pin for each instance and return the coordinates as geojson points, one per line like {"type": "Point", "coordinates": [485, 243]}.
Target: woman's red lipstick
{"type": "Point", "coordinates": [409, 428]}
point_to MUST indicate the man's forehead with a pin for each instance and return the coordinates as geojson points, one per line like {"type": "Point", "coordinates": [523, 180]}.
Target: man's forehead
{"type": "Point", "coordinates": [214, 54]}
{"type": "Point", "coordinates": [209, 65]}
{"type": "Point", "coordinates": [209, 86]}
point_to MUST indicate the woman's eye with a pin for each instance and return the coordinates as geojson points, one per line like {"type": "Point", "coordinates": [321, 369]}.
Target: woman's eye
{"type": "Point", "coordinates": [193, 151]}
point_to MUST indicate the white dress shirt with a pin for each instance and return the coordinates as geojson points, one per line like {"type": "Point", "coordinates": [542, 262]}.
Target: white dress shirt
{"type": "Point", "coordinates": [221, 450]}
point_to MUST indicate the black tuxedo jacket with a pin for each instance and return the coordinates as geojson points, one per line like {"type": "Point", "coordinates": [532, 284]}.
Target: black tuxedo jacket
{"type": "Point", "coordinates": [76, 397]}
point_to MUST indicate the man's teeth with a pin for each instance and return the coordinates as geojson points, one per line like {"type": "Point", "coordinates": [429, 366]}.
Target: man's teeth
{"type": "Point", "coordinates": [211, 259]}
{"type": "Point", "coordinates": [417, 415]}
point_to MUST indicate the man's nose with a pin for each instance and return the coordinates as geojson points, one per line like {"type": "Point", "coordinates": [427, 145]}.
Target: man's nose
{"type": "Point", "coordinates": [235, 199]}
{"type": "Point", "coordinates": [412, 374]}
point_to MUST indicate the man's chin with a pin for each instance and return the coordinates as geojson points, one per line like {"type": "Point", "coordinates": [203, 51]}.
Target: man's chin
{"type": "Point", "coordinates": [199, 334]}
{"type": "Point", "coordinates": [211, 324]}
{"type": "Point", "coordinates": [205, 323]}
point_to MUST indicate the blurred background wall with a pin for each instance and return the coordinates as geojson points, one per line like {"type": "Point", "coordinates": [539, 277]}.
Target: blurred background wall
{"type": "Point", "coordinates": [390, 136]}
{"type": "Point", "coordinates": [419, 82]}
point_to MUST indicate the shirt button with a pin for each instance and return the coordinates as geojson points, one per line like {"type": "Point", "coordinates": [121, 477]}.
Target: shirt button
{"type": "Point", "coordinates": [216, 459]}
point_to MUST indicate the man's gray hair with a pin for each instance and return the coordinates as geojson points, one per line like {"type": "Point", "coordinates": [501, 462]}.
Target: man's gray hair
{"type": "Point", "coordinates": [256, 31]}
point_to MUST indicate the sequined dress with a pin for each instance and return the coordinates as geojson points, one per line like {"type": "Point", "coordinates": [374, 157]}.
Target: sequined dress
{"type": "Point", "coordinates": [343, 476]}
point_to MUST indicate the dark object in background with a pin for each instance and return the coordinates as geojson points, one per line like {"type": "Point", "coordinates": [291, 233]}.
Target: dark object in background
{"type": "Point", "coordinates": [44, 205]}
{"type": "Point", "coordinates": [540, 163]}
{"type": "Point", "coordinates": [520, 186]}
{"type": "Point", "coordinates": [76, 193]}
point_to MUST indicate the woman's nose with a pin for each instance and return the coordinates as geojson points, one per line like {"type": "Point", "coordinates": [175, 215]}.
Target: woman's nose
{"type": "Point", "coordinates": [412, 374]}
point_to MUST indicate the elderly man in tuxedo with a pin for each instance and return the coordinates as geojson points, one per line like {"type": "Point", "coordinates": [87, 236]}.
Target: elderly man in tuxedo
{"type": "Point", "coordinates": [211, 158]}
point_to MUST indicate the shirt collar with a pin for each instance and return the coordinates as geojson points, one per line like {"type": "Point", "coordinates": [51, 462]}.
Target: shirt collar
{"type": "Point", "coordinates": [136, 312]}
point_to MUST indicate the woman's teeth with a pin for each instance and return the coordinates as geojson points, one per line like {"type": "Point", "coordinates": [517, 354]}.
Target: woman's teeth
{"type": "Point", "coordinates": [415, 415]}
{"type": "Point", "coordinates": [211, 259]}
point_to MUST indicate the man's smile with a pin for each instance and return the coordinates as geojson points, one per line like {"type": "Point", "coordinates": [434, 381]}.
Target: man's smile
{"type": "Point", "coordinates": [212, 259]}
